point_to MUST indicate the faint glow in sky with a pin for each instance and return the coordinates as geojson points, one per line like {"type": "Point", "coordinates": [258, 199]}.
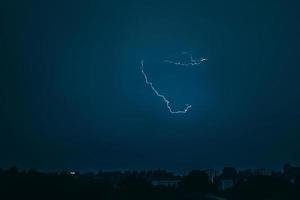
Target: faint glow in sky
{"type": "Point", "coordinates": [192, 62]}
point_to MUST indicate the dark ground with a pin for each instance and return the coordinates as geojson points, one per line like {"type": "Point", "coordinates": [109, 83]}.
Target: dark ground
{"type": "Point", "coordinates": [137, 185]}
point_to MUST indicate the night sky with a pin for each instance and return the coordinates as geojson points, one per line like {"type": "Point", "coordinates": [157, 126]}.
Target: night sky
{"type": "Point", "coordinates": [72, 95]}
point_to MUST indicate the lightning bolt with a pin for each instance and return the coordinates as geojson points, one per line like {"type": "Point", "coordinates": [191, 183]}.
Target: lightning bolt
{"type": "Point", "coordinates": [162, 96]}
{"type": "Point", "coordinates": [192, 62]}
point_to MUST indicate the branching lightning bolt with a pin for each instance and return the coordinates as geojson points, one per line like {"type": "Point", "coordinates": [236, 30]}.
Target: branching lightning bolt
{"type": "Point", "coordinates": [162, 96]}
{"type": "Point", "coordinates": [192, 62]}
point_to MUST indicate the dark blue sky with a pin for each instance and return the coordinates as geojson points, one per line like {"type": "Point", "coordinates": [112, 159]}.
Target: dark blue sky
{"type": "Point", "coordinates": [72, 94]}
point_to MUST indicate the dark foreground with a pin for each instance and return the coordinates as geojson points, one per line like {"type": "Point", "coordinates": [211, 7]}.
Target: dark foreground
{"type": "Point", "coordinates": [152, 185]}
